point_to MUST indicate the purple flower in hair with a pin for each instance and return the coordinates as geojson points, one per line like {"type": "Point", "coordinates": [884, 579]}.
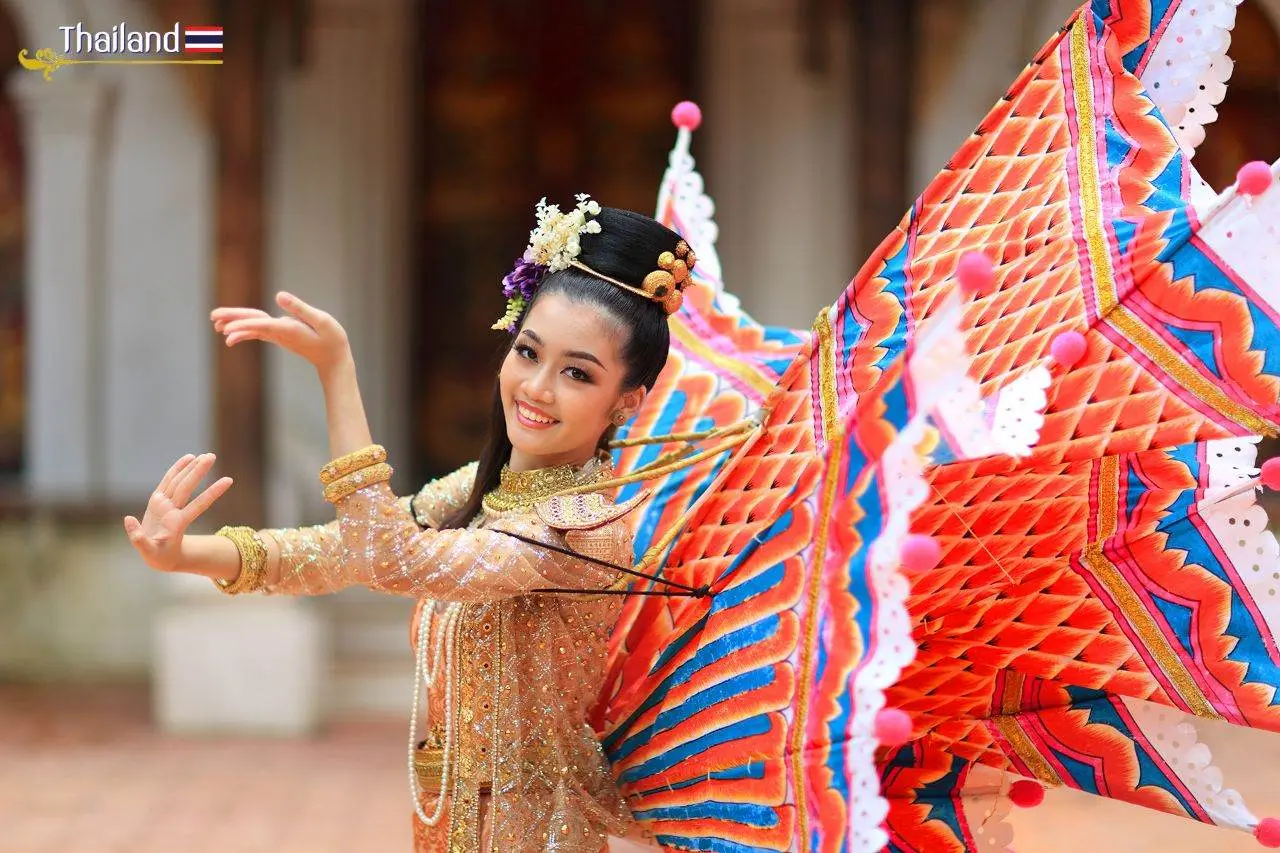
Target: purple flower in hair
{"type": "Point", "coordinates": [523, 280]}
{"type": "Point", "coordinates": [519, 286]}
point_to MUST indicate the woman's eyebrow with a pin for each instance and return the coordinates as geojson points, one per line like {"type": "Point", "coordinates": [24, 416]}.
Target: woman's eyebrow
{"type": "Point", "coordinates": [577, 353]}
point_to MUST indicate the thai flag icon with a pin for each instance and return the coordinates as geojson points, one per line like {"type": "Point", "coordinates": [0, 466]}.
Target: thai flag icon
{"type": "Point", "coordinates": [203, 40]}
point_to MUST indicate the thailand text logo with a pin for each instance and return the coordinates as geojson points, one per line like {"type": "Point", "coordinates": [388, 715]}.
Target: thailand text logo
{"type": "Point", "coordinates": [124, 45]}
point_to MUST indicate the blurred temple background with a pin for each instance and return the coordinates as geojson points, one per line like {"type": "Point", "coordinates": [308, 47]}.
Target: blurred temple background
{"type": "Point", "coordinates": [381, 159]}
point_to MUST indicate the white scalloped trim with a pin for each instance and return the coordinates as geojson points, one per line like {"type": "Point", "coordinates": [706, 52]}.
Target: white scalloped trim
{"type": "Point", "coordinates": [904, 488]}
{"type": "Point", "coordinates": [1019, 411]}
{"type": "Point", "coordinates": [1245, 232]}
{"type": "Point", "coordinates": [942, 392]}
{"type": "Point", "coordinates": [1188, 71]}
{"type": "Point", "coordinates": [1173, 735]}
{"type": "Point", "coordinates": [1007, 423]}
{"type": "Point", "coordinates": [683, 186]}
{"type": "Point", "coordinates": [1240, 524]}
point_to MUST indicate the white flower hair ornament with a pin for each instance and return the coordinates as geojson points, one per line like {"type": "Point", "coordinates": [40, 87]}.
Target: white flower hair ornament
{"type": "Point", "coordinates": [555, 245]}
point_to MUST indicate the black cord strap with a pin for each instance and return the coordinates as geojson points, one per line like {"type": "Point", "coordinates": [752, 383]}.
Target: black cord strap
{"type": "Point", "coordinates": [697, 592]}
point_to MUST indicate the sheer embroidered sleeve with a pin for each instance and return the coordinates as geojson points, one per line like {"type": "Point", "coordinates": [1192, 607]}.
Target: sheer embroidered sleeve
{"type": "Point", "coordinates": [442, 497]}
{"type": "Point", "coordinates": [384, 548]}
{"type": "Point", "coordinates": [311, 558]}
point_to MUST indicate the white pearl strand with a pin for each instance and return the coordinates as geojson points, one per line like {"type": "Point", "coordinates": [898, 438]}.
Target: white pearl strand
{"type": "Point", "coordinates": [443, 639]}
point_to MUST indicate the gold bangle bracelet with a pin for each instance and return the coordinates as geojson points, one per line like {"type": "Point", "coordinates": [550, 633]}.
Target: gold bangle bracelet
{"type": "Point", "coordinates": [339, 489]}
{"type": "Point", "coordinates": [352, 462]}
{"type": "Point", "coordinates": [253, 561]}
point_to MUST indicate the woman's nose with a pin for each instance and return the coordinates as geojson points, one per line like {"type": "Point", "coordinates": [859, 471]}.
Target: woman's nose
{"type": "Point", "coordinates": [538, 387]}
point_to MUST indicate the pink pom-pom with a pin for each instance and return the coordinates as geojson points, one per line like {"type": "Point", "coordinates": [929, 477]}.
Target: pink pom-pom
{"type": "Point", "coordinates": [1253, 178]}
{"type": "Point", "coordinates": [1026, 794]}
{"type": "Point", "coordinates": [975, 273]}
{"type": "Point", "coordinates": [686, 115]}
{"type": "Point", "coordinates": [1270, 473]}
{"type": "Point", "coordinates": [1268, 832]}
{"type": "Point", "coordinates": [893, 727]}
{"type": "Point", "coordinates": [1068, 348]}
{"type": "Point", "coordinates": [920, 553]}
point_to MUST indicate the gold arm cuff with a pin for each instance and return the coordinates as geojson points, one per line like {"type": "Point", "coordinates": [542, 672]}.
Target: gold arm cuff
{"type": "Point", "coordinates": [339, 489]}
{"type": "Point", "coordinates": [253, 561]}
{"type": "Point", "coordinates": [352, 462]}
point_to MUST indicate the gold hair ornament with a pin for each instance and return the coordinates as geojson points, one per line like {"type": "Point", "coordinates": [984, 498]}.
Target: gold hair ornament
{"type": "Point", "coordinates": [555, 244]}
{"type": "Point", "coordinates": [665, 285]}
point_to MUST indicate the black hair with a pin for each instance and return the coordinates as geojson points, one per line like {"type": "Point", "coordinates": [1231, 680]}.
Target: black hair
{"type": "Point", "coordinates": [626, 249]}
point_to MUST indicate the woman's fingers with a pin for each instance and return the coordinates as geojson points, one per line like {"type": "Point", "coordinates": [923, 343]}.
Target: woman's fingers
{"type": "Point", "coordinates": [286, 332]}
{"type": "Point", "coordinates": [174, 470]}
{"type": "Point", "coordinates": [222, 316]}
{"type": "Point", "coordinates": [313, 317]}
{"type": "Point", "coordinates": [187, 482]}
{"type": "Point", "coordinates": [137, 537]}
{"type": "Point", "coordinates": [205, 499]}
{"type": "Point", "coordinates": [268, 326]}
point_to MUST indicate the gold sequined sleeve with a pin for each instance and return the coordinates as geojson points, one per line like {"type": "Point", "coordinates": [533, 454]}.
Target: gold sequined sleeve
{"type": "Point", "coordinates": [384, 549]}
{"type": "Point", "coordinates": [311, 557]}
{"type": "Point", "coordinates": [443, 496]}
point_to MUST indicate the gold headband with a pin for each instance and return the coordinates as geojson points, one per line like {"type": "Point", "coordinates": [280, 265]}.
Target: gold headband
{"type": "Point", "coordinates": [665, 284]}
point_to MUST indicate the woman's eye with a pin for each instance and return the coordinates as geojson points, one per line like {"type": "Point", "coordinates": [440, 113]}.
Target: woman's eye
{"type": "Point", "coordinates": [579, 374]}
{"type": "Point", "coordinates": [526, 351]}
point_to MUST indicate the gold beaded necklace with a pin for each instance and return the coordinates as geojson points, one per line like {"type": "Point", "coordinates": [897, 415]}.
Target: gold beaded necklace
{"type": "Point", "coordinates": [520, 490]}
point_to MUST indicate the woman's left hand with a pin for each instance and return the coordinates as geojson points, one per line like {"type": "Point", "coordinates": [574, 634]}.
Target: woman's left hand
{"type": "Point", "coordinates": [307, 331]}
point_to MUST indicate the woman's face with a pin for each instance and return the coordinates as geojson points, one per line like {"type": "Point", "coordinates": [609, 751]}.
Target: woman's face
{"type": "Point", "coordinates": [561, 382]}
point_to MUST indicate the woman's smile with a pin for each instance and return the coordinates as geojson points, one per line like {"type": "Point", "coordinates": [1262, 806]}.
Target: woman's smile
{"type": "Point", "coordinates": [532, 418]}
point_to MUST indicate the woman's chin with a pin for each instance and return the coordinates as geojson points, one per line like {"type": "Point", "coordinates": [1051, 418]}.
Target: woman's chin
{"type": "Point", "coordinates": [533, 442]}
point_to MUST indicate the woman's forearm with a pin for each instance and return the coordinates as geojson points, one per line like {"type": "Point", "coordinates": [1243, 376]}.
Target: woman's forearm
{"type": "Point", "coordinates": [348, 424]}
{"type": "Point", "coordinates": [216, 557]}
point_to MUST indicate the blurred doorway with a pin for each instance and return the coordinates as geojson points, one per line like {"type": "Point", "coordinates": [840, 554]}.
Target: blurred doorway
{"type": "Point", "coordinates": [1248, 123]}
{"type": "Point", "coordinates": [13, 410]}
{"type": "Point", "coordinates": [520, 100]}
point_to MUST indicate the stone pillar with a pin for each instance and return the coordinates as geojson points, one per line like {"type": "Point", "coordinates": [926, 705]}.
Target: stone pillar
{"type": "Point", "coordinates": [776, 156]}
{"type": "Point", "coordinates": [338, 215]}
{"type": "Point", "coordinates": [67, 125]}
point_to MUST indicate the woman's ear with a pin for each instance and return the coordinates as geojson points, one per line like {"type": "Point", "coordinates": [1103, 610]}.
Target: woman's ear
{"type": "Point", "coordinates": [631, 401]}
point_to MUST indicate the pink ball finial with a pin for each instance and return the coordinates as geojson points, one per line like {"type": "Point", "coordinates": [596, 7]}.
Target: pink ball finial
{"type": "Point", "coordinates": [1270, 474]}
{"type": "Point", "coordinates": [920, 553]}
{"type": "Point", "coordinates": [893, 727]}
{"type": "Point", "coordinates": [1253, 178]}
{"type": "Point", "coordinates": [1068, 348]}
{"type": "Point", "coordinates": [1026, 794]}
{"type": "Point", "coordinates": [976, 273]}
{"type": "Point", "coordinates": [686, 115]}
{"type": "Point", "coordinates": [1268, 832]}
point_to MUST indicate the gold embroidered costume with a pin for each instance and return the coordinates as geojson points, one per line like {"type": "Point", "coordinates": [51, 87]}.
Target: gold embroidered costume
{"type": "Point", "coordinates": [510, 674]}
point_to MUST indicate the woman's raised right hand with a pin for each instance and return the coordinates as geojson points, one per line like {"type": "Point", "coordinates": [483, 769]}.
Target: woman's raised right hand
{"type": "Point", "coordinates": [170, 511]}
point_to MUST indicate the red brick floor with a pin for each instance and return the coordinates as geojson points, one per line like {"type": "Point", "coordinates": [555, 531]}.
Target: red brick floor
{"type": "Point", "coordinates": [82, 770]}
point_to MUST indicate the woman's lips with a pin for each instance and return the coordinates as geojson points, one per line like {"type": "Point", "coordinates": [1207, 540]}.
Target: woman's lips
{"type": "Point", "coordinates": [532, 418]}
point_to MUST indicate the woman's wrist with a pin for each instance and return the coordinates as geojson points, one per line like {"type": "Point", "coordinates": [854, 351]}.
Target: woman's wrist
{"type": "Point", "coordinates": [217, 558]}
{"type": "Point", "coordinates": [213, 557]}
{"type": "Point", "coordinates": [340, 369]}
